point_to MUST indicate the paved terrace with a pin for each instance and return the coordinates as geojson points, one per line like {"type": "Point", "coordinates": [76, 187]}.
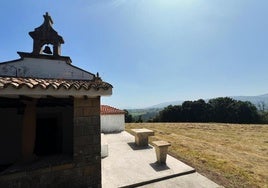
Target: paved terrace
{"type": "Point", "coordinates": [130, 166]}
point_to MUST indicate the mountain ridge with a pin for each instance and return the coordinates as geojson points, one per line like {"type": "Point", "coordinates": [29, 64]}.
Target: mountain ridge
{"type": "Point", "coordinates": [256, 100]}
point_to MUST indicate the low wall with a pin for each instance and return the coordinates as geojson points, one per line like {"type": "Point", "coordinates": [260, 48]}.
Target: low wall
{"type": "Point", "coordinates": [67, 176]}
{"type": "Point", "coordinates": [112, 123]}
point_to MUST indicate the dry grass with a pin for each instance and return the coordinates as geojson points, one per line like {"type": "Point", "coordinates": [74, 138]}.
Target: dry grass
{"type": "Point", "coordinates": [232, 155]}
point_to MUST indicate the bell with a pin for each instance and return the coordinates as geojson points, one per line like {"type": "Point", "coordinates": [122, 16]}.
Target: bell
{"type": "Point", "coordinates": [47, 50]}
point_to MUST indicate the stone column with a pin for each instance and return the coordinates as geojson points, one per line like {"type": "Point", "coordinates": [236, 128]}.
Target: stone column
{"type": "Point", "coordinates": [87, 140]}
{"type": "Point", "coordinates": [28, 131]}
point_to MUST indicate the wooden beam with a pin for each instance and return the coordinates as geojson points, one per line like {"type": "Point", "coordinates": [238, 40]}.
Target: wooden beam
{"type": "Point", "coordinates": [28, 131]}
{"type": "Point", "coordinates": [25, 98]}
{"type": "Point", "coordinates": [51, 97]}
{"type": "Point", "coordinates": [10, 102]}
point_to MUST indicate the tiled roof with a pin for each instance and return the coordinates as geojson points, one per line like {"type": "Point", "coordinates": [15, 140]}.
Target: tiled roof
{"type": "Point", "coordinates": [56, 84]}
{"type": "Point", "coordinates": [105, 109]}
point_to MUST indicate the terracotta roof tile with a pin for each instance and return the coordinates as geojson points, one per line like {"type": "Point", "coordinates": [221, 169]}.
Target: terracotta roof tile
{"type": "Point", "coordinates": [55, 83]}
{"type": "Point", "coordinates": [105, 109]}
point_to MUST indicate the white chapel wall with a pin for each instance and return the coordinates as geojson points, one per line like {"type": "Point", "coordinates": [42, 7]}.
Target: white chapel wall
{"type": "Point", "coordinates": [112, 123]}
{"type": "Point", "coordinates": [43, 68]}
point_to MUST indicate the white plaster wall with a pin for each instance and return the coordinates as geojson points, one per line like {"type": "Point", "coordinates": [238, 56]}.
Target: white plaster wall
{"type": "Point", "coordinates": [112, 123]}
{"type": "Point", "coordinates": [43, 68]}
{"type": "Point", "coordinates": [104, 146]}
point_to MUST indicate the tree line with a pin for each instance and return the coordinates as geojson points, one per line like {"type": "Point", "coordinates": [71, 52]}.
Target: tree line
{"type": "Point", "coordinates": [222, 109]}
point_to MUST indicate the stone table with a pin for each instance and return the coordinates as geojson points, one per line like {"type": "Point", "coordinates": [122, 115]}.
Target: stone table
{"type": "Point", "coordinates": [141, 136]}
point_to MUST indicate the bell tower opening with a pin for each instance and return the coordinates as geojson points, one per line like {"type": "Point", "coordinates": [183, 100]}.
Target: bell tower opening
{"type": "Point", "coordinates": [46, 49]}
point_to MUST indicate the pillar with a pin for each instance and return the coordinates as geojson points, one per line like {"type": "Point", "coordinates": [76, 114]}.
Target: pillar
{"type": "Point", "coordinates": [87, 139]}
{"type": "Point", "coordinates": [28, 131]}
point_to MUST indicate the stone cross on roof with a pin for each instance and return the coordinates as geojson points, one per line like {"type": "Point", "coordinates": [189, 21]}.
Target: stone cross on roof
{"type": "Point", "coordinates": [44, 35]}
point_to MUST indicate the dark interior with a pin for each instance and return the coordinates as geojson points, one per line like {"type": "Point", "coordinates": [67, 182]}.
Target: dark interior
{"type": "Point", "coordinates": [48, 137]}
{"type": "Point", "coordinates": [54, 133]}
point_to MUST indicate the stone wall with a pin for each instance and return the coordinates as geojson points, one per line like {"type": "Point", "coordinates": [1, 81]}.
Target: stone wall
{"type": "Point", "coordinates": [60, 176]}
{"type": "Point", "coordinates": [87, 140]}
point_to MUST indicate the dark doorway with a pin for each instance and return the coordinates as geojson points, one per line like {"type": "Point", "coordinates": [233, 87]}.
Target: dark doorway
{"type": "Point", "coordinates": [48, 138]}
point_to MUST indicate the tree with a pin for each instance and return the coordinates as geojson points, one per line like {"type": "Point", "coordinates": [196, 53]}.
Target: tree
{"type": "Point", "coordinates": [139, 120]}
{"type": "Point", "coordinates": [222, 109]}
{"type": "Point", "coordinates": [128, 117]}
{"type": "Point", "coordinates": [195, 111]}
{"type": "Point", "coordinates": [261, 106]}
{"type": "Point", "coordinates": [264, 117]}
{"type": "Point", "coordinates": [169, 114]}
{"type": "Point", "coordinates": [246, 112]}
{"type": "Point", "coordinates": [228, 110]}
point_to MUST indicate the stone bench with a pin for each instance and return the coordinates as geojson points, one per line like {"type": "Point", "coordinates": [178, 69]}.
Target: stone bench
{"type": "Point", "coordinates": [161, 148]}
{"type": "Point", "coordinates": [141, 136]}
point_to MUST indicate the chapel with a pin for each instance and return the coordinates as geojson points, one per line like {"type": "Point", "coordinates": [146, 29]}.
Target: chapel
{"type": "Point", "coordinates": [50, 117]}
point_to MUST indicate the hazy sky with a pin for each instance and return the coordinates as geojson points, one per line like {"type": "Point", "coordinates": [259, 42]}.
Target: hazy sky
{"type": "Point", "coordinates": [153, 51]}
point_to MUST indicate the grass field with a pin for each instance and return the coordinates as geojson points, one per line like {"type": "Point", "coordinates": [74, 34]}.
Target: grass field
{"type": "Point", "coordinates": [232, 155]}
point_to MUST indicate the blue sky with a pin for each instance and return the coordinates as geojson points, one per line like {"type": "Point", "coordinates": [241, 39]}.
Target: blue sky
{"type": "Point", "coordinates": [153, 51]}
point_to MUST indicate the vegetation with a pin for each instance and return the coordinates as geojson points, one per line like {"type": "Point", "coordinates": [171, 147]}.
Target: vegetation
{"type": "Point", "coordinates": [143, 115]}
{"type": "Point", "coordinates": [128, 117]}
{"type": "Point", "coordinates": [232, 155]}
{"type": "Point", "coordinates": [223, 109]}
{"type": "Point", "coordinates": [264, 117]}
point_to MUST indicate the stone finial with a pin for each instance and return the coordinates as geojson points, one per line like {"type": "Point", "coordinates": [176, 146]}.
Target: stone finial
{"type": "Point", "coordinates": [44, 35]}
{"type": "Point", "coordinates": [97, 77]}
{"type": "Point", "coordinates": [48, 19]}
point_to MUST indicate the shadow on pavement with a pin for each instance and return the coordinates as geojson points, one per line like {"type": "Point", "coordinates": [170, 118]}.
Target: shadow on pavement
{"type": "Point", "coordinates": [134, 147]}
{"type": "Point", "coordinates": [159, 167]}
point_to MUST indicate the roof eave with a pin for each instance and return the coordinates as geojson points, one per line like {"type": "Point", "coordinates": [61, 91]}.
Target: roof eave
{"type": "Point", "coordinates": [61, 92]}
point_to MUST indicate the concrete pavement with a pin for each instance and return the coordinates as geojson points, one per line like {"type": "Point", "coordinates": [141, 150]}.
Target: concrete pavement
{"type": "Point", "coordinates": [131, 166]}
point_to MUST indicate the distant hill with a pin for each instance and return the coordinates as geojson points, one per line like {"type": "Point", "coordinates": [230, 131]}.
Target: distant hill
{"type": "Point", "coordinates": [165, 104]}
{"type": "Point", "coordinates": [256, 100]}
{"type": "Point", "coordinates": [145, 114]}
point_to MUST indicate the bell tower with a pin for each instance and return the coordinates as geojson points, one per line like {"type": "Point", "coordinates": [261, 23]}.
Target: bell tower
{"type": "Point", "coordinates": [45, 35]}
